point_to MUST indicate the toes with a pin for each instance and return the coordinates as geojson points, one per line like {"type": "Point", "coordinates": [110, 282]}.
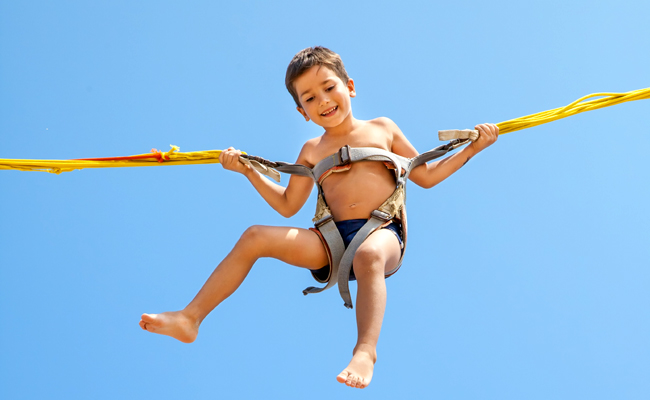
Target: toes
{"type": "Point", "coordinates": [148, 318]}
{"type": "Point", "coordinates": [343, 376]}
{"type": "Point", "coordinates": [146, 326]}
{"type": "Point", "coordinates": [351, 380]}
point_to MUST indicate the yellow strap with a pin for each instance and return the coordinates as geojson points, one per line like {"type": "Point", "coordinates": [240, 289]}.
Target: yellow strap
{"type": "Point", "coordinates": [174, 157]}
{"type": "Point", "coordinates": [578, 106]}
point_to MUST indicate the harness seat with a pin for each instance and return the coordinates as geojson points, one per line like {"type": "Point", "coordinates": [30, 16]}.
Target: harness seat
{"type": "Point", "coordinates": [393, 208]}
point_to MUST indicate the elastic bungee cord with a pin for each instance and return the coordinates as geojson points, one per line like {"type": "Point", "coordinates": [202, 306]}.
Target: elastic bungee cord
{"type": "Point", "coordinates": [175, 157]}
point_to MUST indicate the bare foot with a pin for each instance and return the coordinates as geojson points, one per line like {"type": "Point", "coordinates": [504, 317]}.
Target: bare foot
{"type": "Point", "coordinates": [174, 324]}
{"type": "Point", "coordinates": [359, 372]}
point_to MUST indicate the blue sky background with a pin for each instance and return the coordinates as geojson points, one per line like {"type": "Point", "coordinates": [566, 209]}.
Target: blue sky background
{"type": "Point", "coordinates": [526, 275]}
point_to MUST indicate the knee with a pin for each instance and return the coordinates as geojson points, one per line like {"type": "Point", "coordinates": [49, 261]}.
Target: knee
{"type": "Point", "coordinates": [369, 261]}
{"type": "Point", "coordinates": [252, 237]}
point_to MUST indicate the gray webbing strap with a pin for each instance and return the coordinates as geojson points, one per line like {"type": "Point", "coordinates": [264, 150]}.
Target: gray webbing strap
{"type": "Point", "coordinates": [271, 168]}
{"type": "Point", "coordinates": [336, 159]}
{"type": "Point", "coordinates": [294, 169]}
{"type": "Point", "coordinates": [347, 155]}
{"type": "Point", "coordinates": [434, 153]}
{"type": "Point", "coordinates": [374, 154]}
{"type": "Point", "coordinates": [346, 261]}
{"type": "Point", "coordinates": [429, 155]}
{"type": "Point", "coordinates": [261, 168]}
{"type": "Point", "coordinates": [332, 237]}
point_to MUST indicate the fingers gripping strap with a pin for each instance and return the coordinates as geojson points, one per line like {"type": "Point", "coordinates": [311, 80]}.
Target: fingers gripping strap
{"type": "Point", "coordinates": [451, 134]}
{"type": "Point", "coordinates": [261, 168]}
{"type": "Point", "coordinates": [336, 248]}
{"type": "Point", "coordinates": [346, 261]}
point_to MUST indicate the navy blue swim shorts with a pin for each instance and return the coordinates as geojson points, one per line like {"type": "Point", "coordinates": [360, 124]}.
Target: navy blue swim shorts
{"type": "Point", "coordinates": [348, 229]}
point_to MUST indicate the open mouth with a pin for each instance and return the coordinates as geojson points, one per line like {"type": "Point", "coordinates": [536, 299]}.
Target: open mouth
{"type": "Point", "coordinates": [329, 112]}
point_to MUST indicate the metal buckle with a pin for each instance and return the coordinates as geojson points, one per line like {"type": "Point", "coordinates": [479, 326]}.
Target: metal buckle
{"type": "Point", "coordinates": [456, 143]}
{"type": "Point", "coordinates": [323, 220]}
{"type": "Point", "coordinates": [344, 155]}
{"type": "Point", "coordinates": [380, 215]}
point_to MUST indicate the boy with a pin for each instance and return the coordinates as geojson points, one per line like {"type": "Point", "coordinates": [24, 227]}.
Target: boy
{"type": "Point", "coordinates": [322, 90]}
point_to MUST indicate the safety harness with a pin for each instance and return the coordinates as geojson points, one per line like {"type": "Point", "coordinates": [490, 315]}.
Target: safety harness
{"type": "Point", "coordinates": [394, 208]}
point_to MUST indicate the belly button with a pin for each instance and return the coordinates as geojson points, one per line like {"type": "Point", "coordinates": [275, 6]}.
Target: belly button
{"type": "Point", "coordinates": [353, 205]}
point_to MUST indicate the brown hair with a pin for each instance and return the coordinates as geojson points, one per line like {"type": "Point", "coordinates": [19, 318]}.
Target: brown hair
{"type": "Point", "coordinates": [306, 59]}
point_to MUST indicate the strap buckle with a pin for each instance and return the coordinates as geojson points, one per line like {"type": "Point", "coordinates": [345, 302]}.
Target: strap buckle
{"type": "Point", "coordinates": [344, 155]}
{"type": "Point", "coordinates": [380, 215]}
{"type": "Point", "coordinates": [456, 143]}
{"type": "Point", "coordinates": [323, 220]}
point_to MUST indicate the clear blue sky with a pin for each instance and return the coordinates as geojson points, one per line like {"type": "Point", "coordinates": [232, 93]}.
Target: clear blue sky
{"type": "Point", "coordinates": [526, 275]}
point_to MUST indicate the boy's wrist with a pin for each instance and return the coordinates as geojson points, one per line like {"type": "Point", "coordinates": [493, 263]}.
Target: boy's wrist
{"type": "Point", "coordinates": [248, 171]}
{"type": "Point", "coordinates": [472, 148]}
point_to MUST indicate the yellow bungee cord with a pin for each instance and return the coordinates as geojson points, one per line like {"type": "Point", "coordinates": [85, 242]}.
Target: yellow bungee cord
{"type": "Point", "coordinates": [578, 106]}
{"type": "Point", "coordinates": [172, 157]}
{"type": "Point", "coordinates": [175, 157]}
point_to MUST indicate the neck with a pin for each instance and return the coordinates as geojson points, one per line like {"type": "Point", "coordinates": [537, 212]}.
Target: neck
{"type": "Point", "coordinates": [344, 128]}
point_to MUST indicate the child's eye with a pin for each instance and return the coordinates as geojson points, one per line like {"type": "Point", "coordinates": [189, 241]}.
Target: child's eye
{"type": "Point", "coordinates": [330, 88]}
{"type": "Point", "coordinates": [309, 99]}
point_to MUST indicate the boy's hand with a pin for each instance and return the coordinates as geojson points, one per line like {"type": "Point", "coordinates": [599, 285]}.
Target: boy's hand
{"type": "Point", "coordinates": [488, 134]}
{"type": "Point", "coordinates": [229, 159]}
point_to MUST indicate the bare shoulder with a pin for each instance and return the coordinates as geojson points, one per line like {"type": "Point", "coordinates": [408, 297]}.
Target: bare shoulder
{"type": "Point", "coordinates": [385, 123]}
{"type": "Point", "coordinates": [389, 127]}
{"type": "Point", "coordinates": [308, 152]}
{"type": "Point", "coordinates": [399, 144]}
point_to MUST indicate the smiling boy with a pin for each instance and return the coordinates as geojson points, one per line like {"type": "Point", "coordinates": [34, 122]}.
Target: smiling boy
{"type": "Point", "coordinates": [322, 90]}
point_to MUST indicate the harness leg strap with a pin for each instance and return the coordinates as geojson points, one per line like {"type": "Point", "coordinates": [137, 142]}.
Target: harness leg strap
{"type": "Point", "coordinates": [377, 220]}
{"type": "Point", "coordinates": [336, 248]}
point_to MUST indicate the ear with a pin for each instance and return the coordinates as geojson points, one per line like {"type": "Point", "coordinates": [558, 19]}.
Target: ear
{"type": "Point", "coordinates": [303, 113]}
{"type": "Point", "coordinates": [350, 85]}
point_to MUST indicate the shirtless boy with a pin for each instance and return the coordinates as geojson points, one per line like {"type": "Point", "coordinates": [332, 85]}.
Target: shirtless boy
{"type": "Point", "coordinates": [322, 91]}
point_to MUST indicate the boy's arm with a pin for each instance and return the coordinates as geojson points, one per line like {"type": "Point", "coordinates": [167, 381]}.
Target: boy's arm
{"type": "Point", "coordinates": [286, 201]}
{"type": "Point", "coordinates": [429, 175]}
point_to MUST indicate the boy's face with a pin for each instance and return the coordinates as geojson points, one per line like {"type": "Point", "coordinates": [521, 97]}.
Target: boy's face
{"type": "Point", "coordinates": [325, 99]}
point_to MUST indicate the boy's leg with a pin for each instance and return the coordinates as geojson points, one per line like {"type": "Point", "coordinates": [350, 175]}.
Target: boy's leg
{"type": "Point", "coordinates": [295, 246]}
{"type": "Point", "coordinates": [377, 255]}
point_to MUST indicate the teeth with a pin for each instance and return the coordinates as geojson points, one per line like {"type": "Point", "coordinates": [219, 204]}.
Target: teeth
{"type": "Point", "coordinates": [330, 111]}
